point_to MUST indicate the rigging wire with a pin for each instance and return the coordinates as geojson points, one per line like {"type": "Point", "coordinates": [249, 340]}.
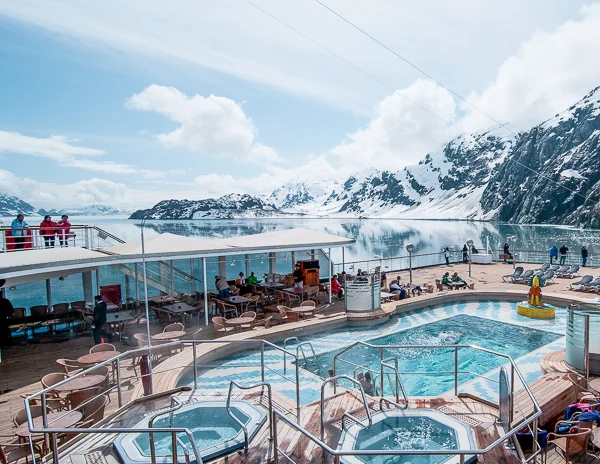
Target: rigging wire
{"type": "Point", "coordinates": [389, 87]}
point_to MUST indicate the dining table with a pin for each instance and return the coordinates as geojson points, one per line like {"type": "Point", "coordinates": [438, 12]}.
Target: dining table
{"type": "Point", "coordinates": [236, 300]}
{"type": "Point", "coordinates": [162, 300]}
{"type": "Point", "coordinates": [304, 311]}
{"type": "Point", "coordinates": [97, 357]}
{"type": "Point", "coordinates": [81, 383]}
{"type": "Point", "coordinates": [180, 308]}
{"type": "Point", "coordinates": [594, 384]}
{"type": "Point", "coordinates": [271, 285]}
{"type": "Point", "coordinates": [61, 420]}
{"type": "Point", "coordinates": [300, 291]}
{"type": "Point", "coordinates": [171, 335]}
{"type": "Point", "coordinates": [118, 320]}
{"type": "Point", "coordinates": [387, 296]}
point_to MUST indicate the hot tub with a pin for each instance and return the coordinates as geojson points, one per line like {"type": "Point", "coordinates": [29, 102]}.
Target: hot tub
{"type": "Point", "coordinates": [411, 429]}
{"type": "Point", "coordinates": [215, 432]}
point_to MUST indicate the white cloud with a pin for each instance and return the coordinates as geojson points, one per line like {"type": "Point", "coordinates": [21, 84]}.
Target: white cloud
{"type": "Point", "coordinates": [400, 133]}
{"type": "Point", "coordinates": [60, 149]}
{"type": "Point", "coordinates": [208, 125]}
{"type": "Point", "coordinates": [547, 74]}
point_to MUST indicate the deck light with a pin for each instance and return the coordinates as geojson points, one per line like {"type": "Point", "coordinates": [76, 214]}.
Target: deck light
{"type": "Point", "coordinates": [410, 248]}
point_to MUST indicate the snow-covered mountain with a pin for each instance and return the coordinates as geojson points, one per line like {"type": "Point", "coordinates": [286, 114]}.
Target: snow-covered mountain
{"type": "Point", "coordinates": [549, 174]}
{"type": "Point", "coordinates": [92, 210]}
{"type": "Point", "coordinates": [227, 207]}
{"type": "Point", "coordinates": [11, 206]}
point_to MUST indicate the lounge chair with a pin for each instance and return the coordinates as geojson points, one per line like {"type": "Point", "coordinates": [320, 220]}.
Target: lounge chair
{"type": "Point", "coordinates": [591, 286]}
{"type": "Point", "coordinates": [562, 270]}
{"type": "Point", "coordinates": [572, 272]}
{"type": "Point", "coordinates": [523, 278]}
{"type": "Point", "coordinates": [517, 273]}
{"type": "Point", "coordinates": [548, 276]}
{"type": "Point", "coordinates": [543, 269]}
{"type": "Point", "coordinates": [554, 267]}
{"type": "Point", "coordinates": [583, 282]}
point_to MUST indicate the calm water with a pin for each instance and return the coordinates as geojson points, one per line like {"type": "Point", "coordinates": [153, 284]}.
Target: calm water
{"type": "Point", "coordinates": [509, 339]}
{"type": "Point", "coordinates": [375, 238]}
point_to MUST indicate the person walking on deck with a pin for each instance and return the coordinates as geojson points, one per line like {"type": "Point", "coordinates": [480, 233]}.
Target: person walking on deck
{"type": "Point", "coordinates": [465, 252]}
{"type": "Point", "coordinates": [447, 256]}
{"type": "Point", "coordinates": [99, 320]}
{"type": "Point", "coordinates": [584, 255]}
{"type": "Point", "coordinates": [553, 254]}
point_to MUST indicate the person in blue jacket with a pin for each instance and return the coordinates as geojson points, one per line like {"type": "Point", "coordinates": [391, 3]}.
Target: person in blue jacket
{"type": "Point", "coordinates": [553, 254]}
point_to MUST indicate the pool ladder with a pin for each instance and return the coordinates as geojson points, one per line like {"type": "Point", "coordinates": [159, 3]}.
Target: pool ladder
{"type": "Point", "coordinates": [175, 405]}
{"type": "Point", "coordinates": [299, 349]}
{"type": "Point", "coordinates": [399, 385]}
{"type": "Point", "coordinates": [233, 384]}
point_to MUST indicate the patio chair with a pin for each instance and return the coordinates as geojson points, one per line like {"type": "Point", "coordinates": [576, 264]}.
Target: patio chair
{"type": "Point", "coordinates": [554, 267]}
{"type": "Point", "coordinates": [572, 446]}
{"type": "Point", "coordinates": [320, 310]}
{"type": "Point", "coordinates": [176, 327]}
{"type": "Point", "coordinates": [93, 411]}
{"type": "Point", "coordinates": [591, 286]}
{"type": "Point", "coordinates": [102, 347]}
{"type": "Point", "coordinates": [18, 313]}
{"type": "Point", "coordinates": [544, 268]}
{"type": "Point", "coordinates": [53, 399]}
{"type": "Point", "coordinates": [70, 366]}
{"type": "Point", "coordinates": [323, 292]}
{"type": "Point", "coordinates": [192, 335]}
{"type": "Point", "coordinates": [308, 303]}
{"type": "Point", "coordinates": [78, 397]}
{"type": "Point", "coordinates": [78, 305]}
{"type": "Point", "coordinates": [583, 393]}
{"type": "Point", "coordinates": [234, 290]}
{"type": "Point", "coordinates": [219, 325]}
{"type": "Point", "coordinates": [517, 272]}
{"type": "Point", "coordinates": [250, 325]}
{"type": "Point", "coordinates": [585, 280]}
{"type": "Point", "coordinates": [13, 452]}
{"type": "Point", "coordinates": [560, 272]}
{"type": "Point", "coordinates": [292, 316]}
{"type": "Point", "coordinates": [21, 416]}
{"type": "Point", "coordinates": [523, 278]}
{"type": "Point", "coordinates": [254, 299]}
{"type": "Point", "coordinates": [227, 308]}
{"type": "Point", "coordinates": [291, 299]}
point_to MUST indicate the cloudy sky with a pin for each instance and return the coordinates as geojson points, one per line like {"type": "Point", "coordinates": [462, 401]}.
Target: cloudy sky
{"type": "Point", "coordinates": [126, 103]}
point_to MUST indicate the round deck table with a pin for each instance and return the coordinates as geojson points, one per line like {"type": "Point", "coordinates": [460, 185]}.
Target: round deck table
{"type": "Point", "coordinates": [305, 310]}
{"type": "Point", "coordinates": [81, 383]}
{"type": "Point", "coordinates": [98, 357]}
{"type": "Point", "coordinates": [239, 321]}
{"type": "Point", "coordinates": [595, 384]}
{"type": "Point", "coordinates": [55, 420]}
{"type": "Point", "coordinates": [173, 335]}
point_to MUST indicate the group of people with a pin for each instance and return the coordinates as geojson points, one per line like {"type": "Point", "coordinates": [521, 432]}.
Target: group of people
{"type": "Point", "coordinates": [454, 281]}
{"type": "Point", "coordinates": [465, 253]}
{"type": "Point", "coordinates": [560, 254]}
{"type": "Point", "coordinates": [49, 230]}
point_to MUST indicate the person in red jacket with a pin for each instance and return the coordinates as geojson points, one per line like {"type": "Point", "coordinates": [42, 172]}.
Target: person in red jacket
{"type": "Point", "coordinates": [63, 229]}
{"type": "Point", "coordinates": [48, 231]}
{"type": "Point", "coordinates": [335, 288]}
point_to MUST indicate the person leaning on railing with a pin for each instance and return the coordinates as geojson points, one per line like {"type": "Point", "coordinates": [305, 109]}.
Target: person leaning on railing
{"type": "Point", "coordinates": [19, 233]}
{"type": "Point", "coordinates": [63, 230]}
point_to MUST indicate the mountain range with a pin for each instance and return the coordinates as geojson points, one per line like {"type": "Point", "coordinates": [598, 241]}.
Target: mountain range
{"type": "Point", "coordinates": [548, 174]}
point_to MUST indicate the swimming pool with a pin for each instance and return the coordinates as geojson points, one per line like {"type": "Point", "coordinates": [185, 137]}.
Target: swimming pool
{"type": "Point", "coordinates": [214, 430]}
{"type": "Point", "coordinates": [244, 367]}
{"type": "Point", "coordinates": [509, 339]}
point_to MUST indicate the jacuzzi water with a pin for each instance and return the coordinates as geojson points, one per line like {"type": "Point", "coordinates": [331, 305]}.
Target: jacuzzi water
{"type": "Point", "coordinates": [413, 429]}
{"type": "Point", "coordinates": [505, 338]}
{"type": "Point", "coordinates": [214, 430]}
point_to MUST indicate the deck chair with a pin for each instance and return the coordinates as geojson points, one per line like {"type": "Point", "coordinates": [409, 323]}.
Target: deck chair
{"type": "Point", "coordinates": [544, 268]}
{"type": "Point", "coordinates": [583, 282]}
{"type": "Point", "coordinates": [591, 286]}
{"type": "Point", "coordinates": [554, 267]}
{"type": "Point", "coordinates": [548, 276]}
{"type": "Point", "coordinates": [572, 446]}
{"type": "Point", "coordinates": [572, 272]}
{"type": "Point", "coordinates": [517, 273]}
{"type": "Point", "coordinates": [523, 278]}
{"type": "Point", "coordinates": [563, 269]}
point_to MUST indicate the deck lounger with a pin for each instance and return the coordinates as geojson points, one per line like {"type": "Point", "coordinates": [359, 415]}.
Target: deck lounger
{"type": "Point", "coordinates": [548, 276]}
{"type": "Point", "coordinates": [585, 280]}
{"type": "Point", "coordinates": [592, 286]}
{"type": "Point", "coordinates": [554, 267]}
{"type": "Point", "coordinates": [523, 278]}
{"type": "Point", "coordinates": [517, 273]}
{"type": "Point", "coordinates": [562, 270]}
{"type": "Point", "coordinates": [572, 272]}
{"type": "Point", "coordinates": [544, 268]}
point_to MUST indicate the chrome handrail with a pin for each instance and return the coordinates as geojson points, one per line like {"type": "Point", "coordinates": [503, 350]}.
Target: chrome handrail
{"type": "Point", "coordinates": [175, 405]}
{"type": "Point", "coordinates": [399, 383]}
{"type": "Point", "coordinates": [239, 422]}
{"type": "Point", "coordinates": [345, 415]}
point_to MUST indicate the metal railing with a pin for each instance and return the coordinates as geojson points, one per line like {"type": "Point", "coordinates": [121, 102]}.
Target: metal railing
{"type": "Point", "coordinates": [399, 384]}
{"type": "Point", "coordinates": [51, 432]}
{"type": "Point", "coordinates": [527, 421]}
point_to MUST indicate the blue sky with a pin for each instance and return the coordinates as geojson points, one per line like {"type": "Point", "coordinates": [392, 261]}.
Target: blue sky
{"type": "Point", "coordinates": [148, 101]}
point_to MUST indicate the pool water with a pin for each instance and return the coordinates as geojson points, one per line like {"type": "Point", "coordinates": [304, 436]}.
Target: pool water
{"type": "Point", "coordinates": [462, 329]}
{"type": "Point", "coordinates": [210, 426]}
{"type": "Point", "coordinates": [406, 433]}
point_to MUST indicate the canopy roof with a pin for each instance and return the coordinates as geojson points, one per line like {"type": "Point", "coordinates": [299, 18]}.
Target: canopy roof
{"type": "Point", "coordinates": [48, 263]}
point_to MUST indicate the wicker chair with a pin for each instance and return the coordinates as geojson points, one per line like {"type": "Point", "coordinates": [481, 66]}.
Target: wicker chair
{"type": "Point", "coordinates": [93, 411]}
{"type": "Point", "coordinates": [102, 347]}
{"type": "Point", "coordinates": [21, 417]}
{"type": "Point", "coordinates": [310, 303]}
{"type": "Point", "coordinates": [582, 391]}
{"type": "Point", "coordinates": [219, 325]}
{"type": "Point", "coordinates": [227, 308]}
{"type": "Point", "coordinates": [53, 399]}
{"type": "Point", "coordinates": [176, 327]}
{"type": "Point", "coordinates": [70, 366]}
{"type": "Point", "coordinates": [13, 452]}
{"type": "Point", "coordinates": [572, 446]}
{"type": "Point", "coordinates": [80, 396]}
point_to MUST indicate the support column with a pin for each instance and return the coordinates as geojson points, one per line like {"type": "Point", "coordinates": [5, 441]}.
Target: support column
{"type": "Point", "coordinates": [204, 284]}
{"type": "Point", "coordinates": [329, 273]}
{"type": "Point", "coordinates": [293, 261]}
{"type": "Point", "coordinates": [247, 263]}
{"type": "Point", "coordinates": [48, 294]}
{"type": "Point", "coordinates": [137, 283]}
{"type": "Point", "coordinates": [88, 290]}
{"type": "Point", "coordinates": [172, 277]}
{"type": "Point", "coordinates": [222, 266]}
{"type": "Point", "coordinates": [127, 288]}
{"type": "Point", "coordinates": [344, 259]}
{"type": "Point", "coordinates": [272, 263]}
{"type": "Point", "coordinates": [193, 283]}
{"type": "Point", "coordinates": [97, 281]}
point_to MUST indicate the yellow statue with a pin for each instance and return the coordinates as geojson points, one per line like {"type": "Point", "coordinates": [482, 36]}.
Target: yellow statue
{"type": "Point", "coordinates": [535, 293]}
